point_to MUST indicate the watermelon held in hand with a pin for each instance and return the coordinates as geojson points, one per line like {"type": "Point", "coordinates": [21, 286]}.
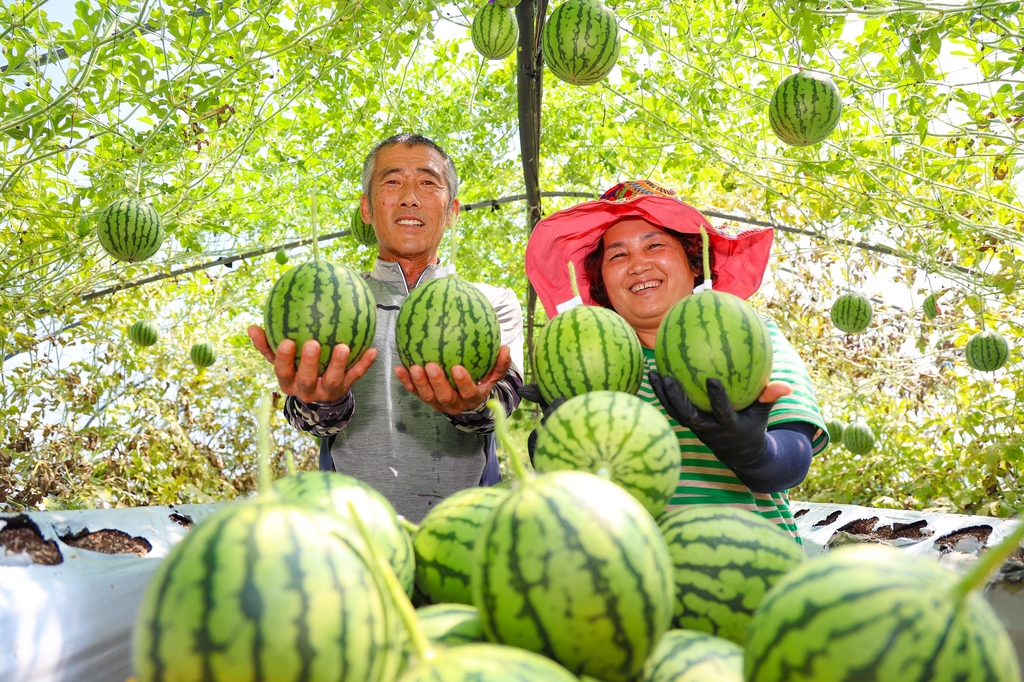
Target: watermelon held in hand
{"type": "Point", "coordinates": [617, 436]}
{"type": "Point", "coordinates": [851, 313]}
{"type": "Point", "coordinates": [688, 656]}
{"type": "Point", "coordinates": [869, 612]}
{"type": "Point", "coordinates": [859, 438]}
{"type": "Point", "coordinates": [494, 31]}
{"type": "Point", "coordinates": [360, 231]}
{"type": "Point", "coordinates": [324, 302]}
{"type": "Point", "coordinates": [587, 348]}
{"type": "Point", "coordinates": [581, 41]}
{"type": "Point", "coordinates": [130, 230]}
{"type": "Point", "coordinates": [449, 322]}
{"type": "Point", "coordinates": [332, 493]}
{"type": "Point", "coordinates": [725, 560]}
{"type": "Point", "coordinates": [805, 108]}
{"type": "Point", "coordinates": [203, 355]}
{"type": "Point", "coordinates": [143, 333]}
{"type": "Point", "coordinates": [715, 335]}
{"type": "Point", "coordinates": [987, 351]}
{"type": "Point", "coordinates": [444, 543]}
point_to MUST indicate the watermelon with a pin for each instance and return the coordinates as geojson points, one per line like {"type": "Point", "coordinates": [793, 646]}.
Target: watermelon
{"type": "Point", "coordinates": [715, 335]}
{"type": "Point", "coordinates": [805, 108]}
{"type": "Point", "coordinates": [587, 348]}
{"type": "Point", "coordinates": [571, 566]}
{"type": "Point", "coordinates": [851, 313]}
{"type": "Point", "coordinates": [203, 355]}
{"type": "Point", "coordinates": [987, 351]}
{"type": "Point", "coordinates": [835, 428]}
{"type": "Point", "coordinates": [486, 663]}
{"type": "Point", "coordinates": [362, 232]}
{"type": "Point", "coordinates": [725, 561]}
{"type": "Point", "coordinates": [130, 230]}
{"type": "Point", "coordinates": [508, 3]}
{"type": "Point", "coordinates": [870, 612]}
{"type": "Point", "coordinates": [581, 41]}
{"type": "Point", "coordinates": [451, 624]}
{"type": "Point", "coordinates": [615, 435]}
{"type": "Point", "coordinates": [494, 31]}
{"type": "Point", "coordinates": [332, 492]}
{"type": "Point", "coordinates": [281, 257]}
{"type": "Point", "coordinates": [859, 438]}
{"type": "Point", "coordinates": [143, 333]}
{"type": "Point", "coordinates": [325, 302]}
{"type": "Point", "coordinates": [450, 322]}
{"type": "Point", "coordinates": [931, 307]}
{"type": "Point", "coordinates": [444, 544]}
{"type": "Point", "coordinates": [687, 656]}
{"type": "Point", "coordinates": [267, 590]}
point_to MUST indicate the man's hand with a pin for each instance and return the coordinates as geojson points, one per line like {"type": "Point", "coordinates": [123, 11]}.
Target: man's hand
{"type": "Point", "coordinates": [303, 382]}
{"type": "Point", "coordinates": [431, 385]}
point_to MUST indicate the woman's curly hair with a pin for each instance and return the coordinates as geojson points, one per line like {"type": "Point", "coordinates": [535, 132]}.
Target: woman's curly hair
{"type": "Point", "coordinates": [694, 253]}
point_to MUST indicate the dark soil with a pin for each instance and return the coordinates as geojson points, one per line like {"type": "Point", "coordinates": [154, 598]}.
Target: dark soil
{"type": "Point", "coordinates": [860, 526]}
{"type": "Point", "coordinates": [912, 531]}
{"type": "Point", "coordinates": [948, 543]}
{"type": "Point", "coordinates": [181, 519]}
{"type": "Point", "coordinates": [828, 520]}
{"type": "Point", "coordinates": [109, 541]}
{"type": "Point", "coordinates": [800, 513]}
{"type": "Point", "coordinates": [21, 535]}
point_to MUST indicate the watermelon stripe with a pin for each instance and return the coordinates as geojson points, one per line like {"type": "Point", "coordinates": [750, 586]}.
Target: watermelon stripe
{"type": "Point", "coordinates": [302, 645]}
{"type": "Point", "coordinates": [251, 600]}
{"type": "Point", "coordinates": [203, 644]}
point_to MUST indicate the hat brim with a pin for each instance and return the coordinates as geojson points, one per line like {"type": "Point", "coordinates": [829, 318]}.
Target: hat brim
{"type": "Point", "coordinates": [571, 234]}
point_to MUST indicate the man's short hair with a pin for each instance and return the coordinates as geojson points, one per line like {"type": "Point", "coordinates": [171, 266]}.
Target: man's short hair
{"type": "Point", "coordinates": [451, 178]}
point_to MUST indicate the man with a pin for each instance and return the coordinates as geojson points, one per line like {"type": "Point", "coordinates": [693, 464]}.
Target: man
{"type": "Point", "coordinates": [406, 432]}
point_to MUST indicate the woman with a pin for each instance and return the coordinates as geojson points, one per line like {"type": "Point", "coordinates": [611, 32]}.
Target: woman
{"type": "Point", "coordinates": [638, 251]}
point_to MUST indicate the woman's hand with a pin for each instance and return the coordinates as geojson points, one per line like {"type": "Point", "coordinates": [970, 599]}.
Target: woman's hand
{"type": "Point", "coordinates": [738, 438]}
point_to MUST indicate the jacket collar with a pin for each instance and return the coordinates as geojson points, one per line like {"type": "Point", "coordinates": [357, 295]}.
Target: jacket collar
{"type": "Point", "coordinates": [390, 272]}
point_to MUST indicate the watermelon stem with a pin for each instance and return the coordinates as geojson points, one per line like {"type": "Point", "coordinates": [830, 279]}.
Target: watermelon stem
{"type": "Point", "coordinates": [987, 563]}
{"type": "Point", "coordinates": [706, 255]}
{"type": "Point", "coordinates": [289, 462]}
{"type": "Point", "coordinates": [312, 220]}
{"type": "Point", "coordinates": [505, 438]}
{"type": "Point", "coordinates": [263, 436]}
{"type": "Point", "coordinates": [408, 525]}
{"type": "Point", "coordinates": [572, 280]}
{"type": "Point", "coordinates": [419, 639]}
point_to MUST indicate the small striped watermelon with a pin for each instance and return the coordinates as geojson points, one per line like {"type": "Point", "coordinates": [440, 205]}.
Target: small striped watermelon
{"type": "Point", "coordinates": [494, 31]}
{"type": "Point", "coordinates": [267, 590]}
{"type": "Point", "coordinates": [325, 302]}
{"type": "Point", "coordinates": [987, 351]}
{"type": "Point", "coordinates": [571, 566]}
{"type": "Point", "coordinates": [281, 257]}
{"type": "Point", "coordinates": [581, 41]}
{"type": "Point", "coordinates": [688, 656]}
{"type": "Point", "coordinates": [444, 543]}
{"type": "Point", "coordinates": [362, 232]}
{"type": "Point", "coordinates": [451, 624]}
{"type": "Point", "coordinates": [143, 333]}
{"type": "Point", "coordinates": [614, 435]}
{"type": "Point", "coordinates": [715, 335]}
{"type": "Point", "coordinates": [130, 230]}
{"type": "Point", "coordinates": [587, 348]}
{"type": "Point", "coordinates": [486, 663]}
{"type": "Point", "coordinates": [450, 322]}
{"type": "Point", "coordinates": [851, 313]}
{"type": "Point", "coordinates": [725, 561]}
{"type": "Point", "coordinates": [931, 307]}
{"type": "Point", "coordinates": [332, 492]}
{"type": "Point", "coordinates": [859, 438]}
{"type": "Point", "coordinates": [869, 612]}
{"type": "Point", "coordinates": [508, 3]}
{"type": "Point", "coordinates": [835, 428]}
{"type": "Point", "coordinates": [203, 355]}
{"type": "Point", "coordinates": [805, 108]}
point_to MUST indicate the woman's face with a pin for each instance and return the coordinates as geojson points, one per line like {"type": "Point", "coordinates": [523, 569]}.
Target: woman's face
{"type": "Point", "coordinates": [645, 272]}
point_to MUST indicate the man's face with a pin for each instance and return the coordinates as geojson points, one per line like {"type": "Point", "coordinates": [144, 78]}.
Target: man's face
{"type": "Point", "coordinates": [408, 202]}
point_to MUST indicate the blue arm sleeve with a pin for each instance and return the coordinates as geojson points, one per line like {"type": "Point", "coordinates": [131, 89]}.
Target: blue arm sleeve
{"type": "Point", "coordinates": [786, 463]}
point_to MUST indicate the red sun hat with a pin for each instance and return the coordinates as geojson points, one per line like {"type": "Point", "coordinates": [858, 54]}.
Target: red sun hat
{"type": "Point", "coordinates": [571, 234]}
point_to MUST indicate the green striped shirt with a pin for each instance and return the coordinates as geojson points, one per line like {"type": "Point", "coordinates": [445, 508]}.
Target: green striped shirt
{"type": "Point", "coordinates": [703, 479]}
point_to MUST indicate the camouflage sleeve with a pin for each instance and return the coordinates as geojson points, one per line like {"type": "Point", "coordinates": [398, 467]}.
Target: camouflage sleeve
{"type": "Point", "coordinates": [320, 419]}
{"type": "Point", "coordinates": [480, 420]}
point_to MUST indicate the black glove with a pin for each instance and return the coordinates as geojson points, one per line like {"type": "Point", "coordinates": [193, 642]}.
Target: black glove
{"type": "Point", "coordinates": [532, 393]}
{"type": "Point", "coordinates": [738, 439]}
